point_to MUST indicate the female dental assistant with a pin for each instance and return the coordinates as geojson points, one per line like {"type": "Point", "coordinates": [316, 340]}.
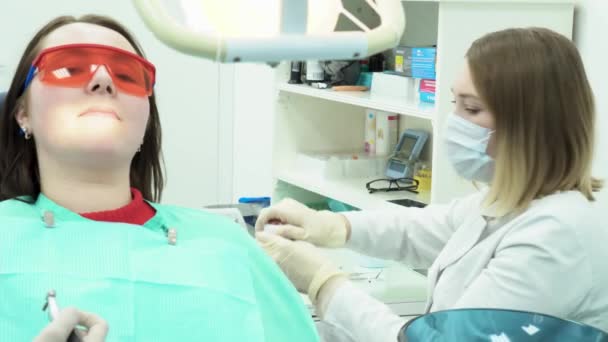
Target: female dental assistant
{"type": "Point", "coordinates": [523, 122]}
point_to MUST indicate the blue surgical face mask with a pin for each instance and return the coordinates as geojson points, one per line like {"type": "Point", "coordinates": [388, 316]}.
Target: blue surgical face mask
{"type": "Point", "coordinates": [466, 146]}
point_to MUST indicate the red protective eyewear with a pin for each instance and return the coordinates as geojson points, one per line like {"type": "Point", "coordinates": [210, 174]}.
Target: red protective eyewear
{"type": "Point", "coordinates": [74, 65]}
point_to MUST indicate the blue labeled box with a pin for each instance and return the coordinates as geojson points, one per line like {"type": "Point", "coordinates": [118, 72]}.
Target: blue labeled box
{"type": "Point", "coordinates": [417, 62]}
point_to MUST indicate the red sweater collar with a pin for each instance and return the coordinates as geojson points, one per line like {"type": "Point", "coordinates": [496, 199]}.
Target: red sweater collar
{"type": "Point", "coordinates": [137, 212]}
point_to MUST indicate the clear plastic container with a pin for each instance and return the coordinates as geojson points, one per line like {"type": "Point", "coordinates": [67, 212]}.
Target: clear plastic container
{"type": "Point", "coordinates": [340, 165]}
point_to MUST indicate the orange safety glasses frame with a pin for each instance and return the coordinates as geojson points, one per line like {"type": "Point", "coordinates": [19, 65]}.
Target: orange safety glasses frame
{"type": "Point", "coordinates": [74, 65]}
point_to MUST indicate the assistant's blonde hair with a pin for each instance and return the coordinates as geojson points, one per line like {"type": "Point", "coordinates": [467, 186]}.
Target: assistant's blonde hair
{"type": "Point", "coordinates": [534, 82]}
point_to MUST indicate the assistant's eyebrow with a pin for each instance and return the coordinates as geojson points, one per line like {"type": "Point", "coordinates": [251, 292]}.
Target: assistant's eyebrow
{"type": "Point", "coordinates": [466, 95]}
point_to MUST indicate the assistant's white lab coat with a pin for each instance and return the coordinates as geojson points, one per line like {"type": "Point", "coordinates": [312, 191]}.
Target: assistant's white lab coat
{"type": "Point", "coordinates": [552, 259]}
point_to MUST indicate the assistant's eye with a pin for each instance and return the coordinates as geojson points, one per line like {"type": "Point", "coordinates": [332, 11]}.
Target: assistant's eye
{"type": "Point", "coordinates": [472, 111]}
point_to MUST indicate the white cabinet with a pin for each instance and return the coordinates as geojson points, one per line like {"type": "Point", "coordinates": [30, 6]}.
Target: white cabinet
{"type": "Point", "coordinates": [315, 120]}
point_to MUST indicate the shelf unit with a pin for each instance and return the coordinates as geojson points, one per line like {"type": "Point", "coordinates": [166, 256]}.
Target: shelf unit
{"type": "Point", "coordinates": [320, 120]}
{"type": "Point", "coordinates": [364, 99]}
{"type": "Point", "coordinates": [349, 190]}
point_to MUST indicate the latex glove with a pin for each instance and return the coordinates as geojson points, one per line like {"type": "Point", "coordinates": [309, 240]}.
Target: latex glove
{"type": "Point", "coordinates": [298, 222]}
{"type": "Point", "coordinates": [67, 320]}
{"type": "Point", "coordinates": [304, 264]}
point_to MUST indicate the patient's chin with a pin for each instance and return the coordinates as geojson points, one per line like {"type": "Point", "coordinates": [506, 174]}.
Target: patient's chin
{"type": "Point", "coordinates": [95, 152]}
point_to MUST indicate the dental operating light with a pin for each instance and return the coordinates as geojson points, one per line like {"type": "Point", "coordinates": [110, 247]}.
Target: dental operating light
{"type": "Point", "coordinates": [275, 30]}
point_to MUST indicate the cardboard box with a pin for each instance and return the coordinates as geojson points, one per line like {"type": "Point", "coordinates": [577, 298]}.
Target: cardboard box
{"type": "Point", "coordinates": [417, 62]}
{"type": "Point", "coordinates": [427, 90]}
{"type": "Point", "coordinates": [394, 85]}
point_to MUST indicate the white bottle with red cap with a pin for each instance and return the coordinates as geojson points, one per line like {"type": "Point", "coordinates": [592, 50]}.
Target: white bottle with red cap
{"type": "Point", "coordinates": [387, 132]}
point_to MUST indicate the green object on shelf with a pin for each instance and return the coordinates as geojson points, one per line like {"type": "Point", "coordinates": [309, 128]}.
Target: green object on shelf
{"type": "Point", "coordinates": [317, 205]}
{"type": "Point", "coordinates": [337, 206]}
{"type": "Point", "coordinates": [310, 199]}
{"type": "Point", "coordinates": [365, 79]}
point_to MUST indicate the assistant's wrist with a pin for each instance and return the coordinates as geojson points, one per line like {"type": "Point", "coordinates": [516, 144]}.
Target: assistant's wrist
{"type": "Point", "coordinates": [347, 227]}
{"type": "Point", "coordinates": [328, 291]}
{"type": "Point", "coordinates": [320, 278]}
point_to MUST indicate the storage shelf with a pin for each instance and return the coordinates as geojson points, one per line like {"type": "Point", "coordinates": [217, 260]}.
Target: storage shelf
{"type": "Point", "coordinates": [364, 99]}
{"type": "Point", "coordinates": [351, 191]}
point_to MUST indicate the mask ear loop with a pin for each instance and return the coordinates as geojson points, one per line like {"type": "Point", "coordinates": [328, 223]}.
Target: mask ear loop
{"type": "Point", "coordinates": [488, 136]}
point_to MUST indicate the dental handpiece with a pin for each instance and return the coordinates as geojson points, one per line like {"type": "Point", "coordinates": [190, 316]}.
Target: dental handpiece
{"type": "Point", "coordinates": [53, 311]}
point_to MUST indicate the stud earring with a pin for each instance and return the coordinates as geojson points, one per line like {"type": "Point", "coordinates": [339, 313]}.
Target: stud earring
{"type": "Point", "coordinates": [26, 133]}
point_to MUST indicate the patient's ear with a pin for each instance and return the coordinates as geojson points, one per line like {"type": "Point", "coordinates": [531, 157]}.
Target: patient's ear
{"type": "Point", "coordinates": [21, 115]}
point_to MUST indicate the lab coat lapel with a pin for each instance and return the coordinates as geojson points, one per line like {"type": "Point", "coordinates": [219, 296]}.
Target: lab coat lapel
{"type": "Point", "coordinates": [432, 281]}
{"type": "Point", "coordinates": [463, 240]}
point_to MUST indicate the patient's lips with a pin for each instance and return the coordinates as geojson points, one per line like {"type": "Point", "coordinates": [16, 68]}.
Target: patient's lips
{"type": "Point", "coordinates": [100, 111]}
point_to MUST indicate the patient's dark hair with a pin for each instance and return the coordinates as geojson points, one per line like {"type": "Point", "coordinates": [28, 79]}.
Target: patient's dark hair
{"type": "Point", "coordinates": [19, 173]}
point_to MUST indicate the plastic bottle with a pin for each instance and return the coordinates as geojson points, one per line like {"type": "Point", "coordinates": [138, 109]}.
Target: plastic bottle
{"type": "Point", "coordinates": [296, 73]}
{"type": "Point", "coordinates": [387, 130]}
{"type": "Point", "coordinates": [314, 72]}
{"type": "Point", "coordinates": [370, 131]}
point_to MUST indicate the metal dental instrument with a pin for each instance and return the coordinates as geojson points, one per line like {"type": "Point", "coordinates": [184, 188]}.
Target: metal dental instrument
{"type": "Point", "coordinates": [53, 310]}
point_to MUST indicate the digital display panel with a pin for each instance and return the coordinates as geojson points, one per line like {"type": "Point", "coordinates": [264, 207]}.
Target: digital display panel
{"type": "Point", "coordinates": [406, 148]}
{"type": "Point", "coordinates": [398, 167]}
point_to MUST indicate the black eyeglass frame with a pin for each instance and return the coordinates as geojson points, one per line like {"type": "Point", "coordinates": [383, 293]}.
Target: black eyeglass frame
{"type": "Point", "coordinates": [411, 187]}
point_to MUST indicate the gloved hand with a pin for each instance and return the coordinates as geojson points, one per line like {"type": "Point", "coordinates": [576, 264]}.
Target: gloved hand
{"type": "Point", "coordinates": [298, 222]}
{"type": "Point", "coordinates": [305, 266]}
{"type": "Point", "coordinates": [66, 321]}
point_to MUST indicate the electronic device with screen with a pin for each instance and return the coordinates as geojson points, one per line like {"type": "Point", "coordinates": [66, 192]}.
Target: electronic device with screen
{"type": "Point", "coordinates": [407, 152]}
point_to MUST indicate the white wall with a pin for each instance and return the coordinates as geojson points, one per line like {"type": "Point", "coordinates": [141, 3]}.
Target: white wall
{"type": "Point", "coordinates": [187, 93]}
{"type": "Point", "coordinates": [253, 127]}
{"type": "Point", "coordinates": [591, 24]}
